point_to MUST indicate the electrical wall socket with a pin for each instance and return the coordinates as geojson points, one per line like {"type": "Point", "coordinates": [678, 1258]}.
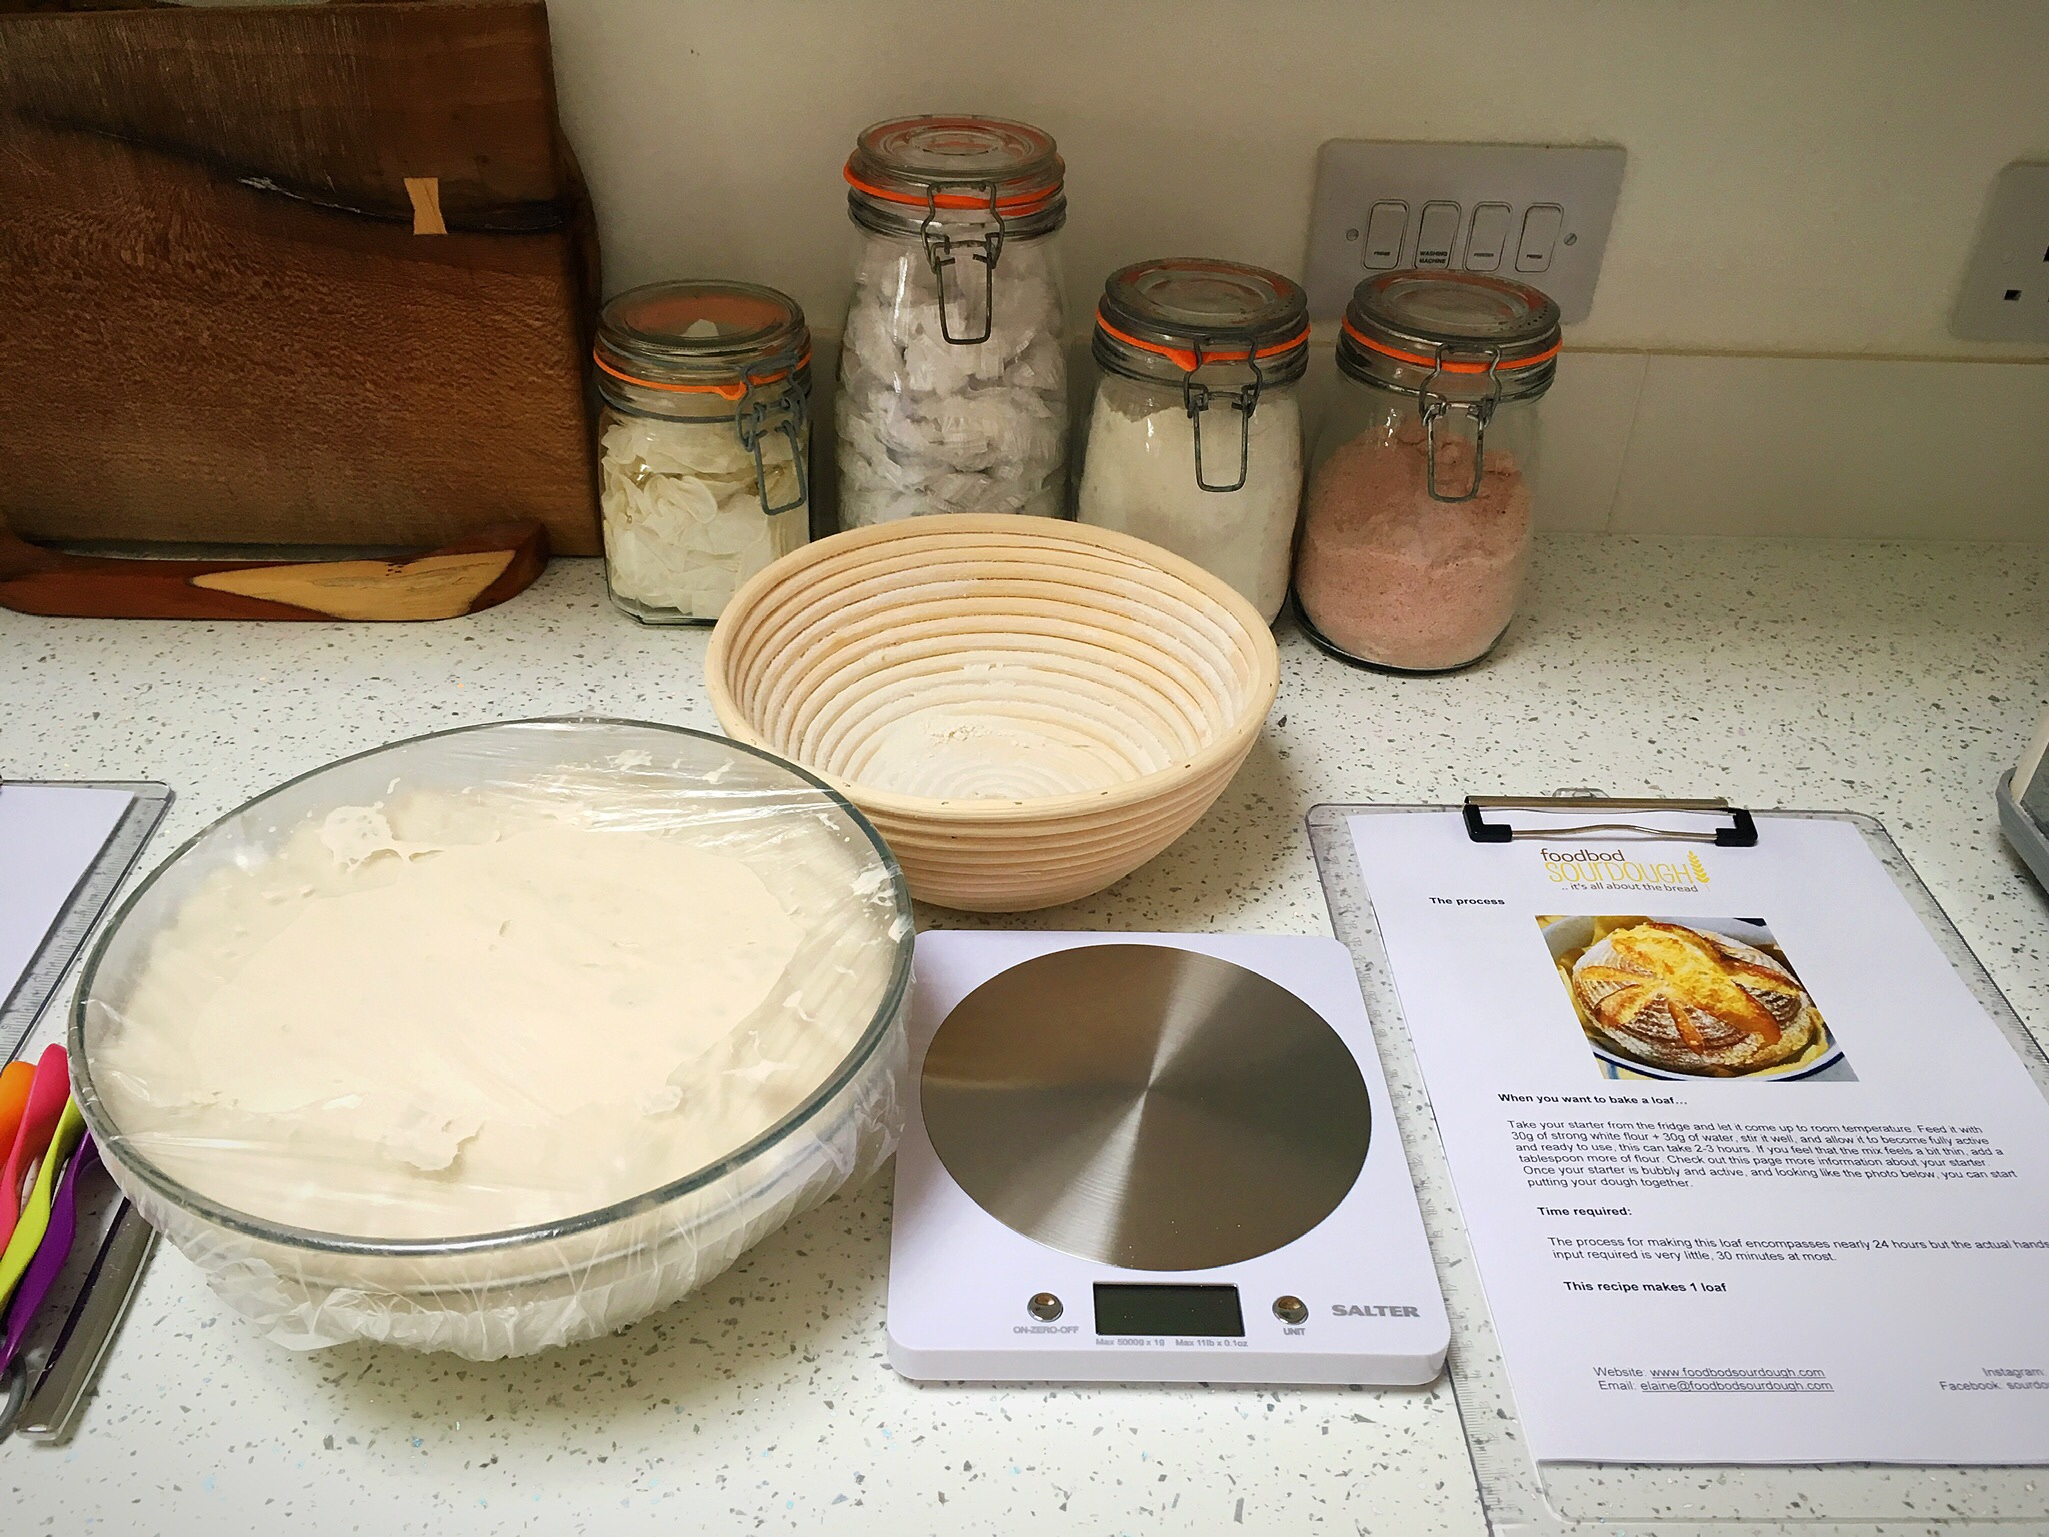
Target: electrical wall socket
{"type": "Point", "coordinates": [1534, 213]}
{"type": "Point", "coordinates": [2005, 297]}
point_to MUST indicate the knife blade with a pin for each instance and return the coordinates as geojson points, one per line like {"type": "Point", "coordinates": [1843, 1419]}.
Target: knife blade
{"type": "Point", "coordinates": [52, 1408]}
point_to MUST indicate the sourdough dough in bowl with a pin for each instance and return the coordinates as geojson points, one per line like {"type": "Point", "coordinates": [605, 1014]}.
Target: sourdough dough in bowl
{"type": "Point", "coordinates": [512, 1006]}
{"type": "Point", "coordinates": [486, 1017]}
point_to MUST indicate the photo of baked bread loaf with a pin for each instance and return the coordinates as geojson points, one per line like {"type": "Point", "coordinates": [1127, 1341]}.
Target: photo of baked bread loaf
{"type": "Point", "coordinates": [1693, 1001]}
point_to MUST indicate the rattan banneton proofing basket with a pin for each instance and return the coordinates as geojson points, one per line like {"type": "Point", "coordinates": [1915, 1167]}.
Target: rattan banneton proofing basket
{"type": "Point", "coordinates": [991, 659]}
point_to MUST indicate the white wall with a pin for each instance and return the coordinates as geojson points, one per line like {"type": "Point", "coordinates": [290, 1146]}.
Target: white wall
{"type": "Point", "coordinates": [1805, 178]}
{"type": "Point", "coordinates": [1804, 175]}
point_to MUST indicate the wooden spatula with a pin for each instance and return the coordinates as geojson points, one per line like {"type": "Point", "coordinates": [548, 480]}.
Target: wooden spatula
{"type": "Point", "coordinates": [460, 578]}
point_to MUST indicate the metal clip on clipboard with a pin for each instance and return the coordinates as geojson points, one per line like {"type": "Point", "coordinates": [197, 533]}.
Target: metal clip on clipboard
{"type": "Point", "coordinates": [1740, 834]}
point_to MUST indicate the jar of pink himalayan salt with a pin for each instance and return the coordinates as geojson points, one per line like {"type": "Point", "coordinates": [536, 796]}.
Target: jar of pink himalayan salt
{"type": "Point", "coordinates": [1416, 527]}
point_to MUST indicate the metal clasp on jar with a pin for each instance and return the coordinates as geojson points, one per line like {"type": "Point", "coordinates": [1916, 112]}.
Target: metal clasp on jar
{"type": "Point", "coordinates": [1433, 405]}
{"type": "Point", "coordinates": [1245, 400]}
{"type": "Point", "coordinates": [759, 414]}
{"type": "Point", "coordinates": [986, 249]}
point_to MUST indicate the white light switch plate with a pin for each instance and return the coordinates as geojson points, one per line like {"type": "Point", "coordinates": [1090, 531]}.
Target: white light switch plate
{"type": "Point", "coordinates": [1536, 213]}
{"type": "Point", "coordinates": [2005, 297]}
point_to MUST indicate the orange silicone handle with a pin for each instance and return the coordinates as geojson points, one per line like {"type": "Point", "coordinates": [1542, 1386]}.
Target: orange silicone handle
{"type": "Point", "coordinates": [14, 1081]}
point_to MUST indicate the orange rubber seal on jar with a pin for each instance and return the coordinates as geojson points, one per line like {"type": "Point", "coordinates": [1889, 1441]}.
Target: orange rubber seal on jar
{"type": "Point", "coordinates": [1422, 361]}
{"type": "Point", "coordinates": [723, 391]}
{"type": "Point", "coordinates": [1018, 204]}
{"type": "Point", "coordinates": [1186, 360]}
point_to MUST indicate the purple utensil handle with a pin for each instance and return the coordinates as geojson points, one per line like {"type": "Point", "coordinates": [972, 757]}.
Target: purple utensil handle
{"type": "Point", "coordinates": [50, 1255]}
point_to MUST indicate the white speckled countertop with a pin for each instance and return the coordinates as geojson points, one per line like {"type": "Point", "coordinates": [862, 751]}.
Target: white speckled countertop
{"type": "Point", "coordinates": [1893, 679]}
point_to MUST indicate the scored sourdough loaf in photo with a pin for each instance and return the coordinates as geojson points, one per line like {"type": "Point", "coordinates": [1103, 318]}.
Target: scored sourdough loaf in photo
{"type": "Point", "coordinates": [1693, 1002]}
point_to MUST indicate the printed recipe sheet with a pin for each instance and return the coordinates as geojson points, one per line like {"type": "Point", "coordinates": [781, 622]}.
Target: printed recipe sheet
{"type": "Point", "coordinates": [1750, 1175]}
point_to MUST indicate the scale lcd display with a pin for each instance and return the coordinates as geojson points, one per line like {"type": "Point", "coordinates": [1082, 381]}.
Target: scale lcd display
{"type": "Point", "coordinates": [1192, 1310]}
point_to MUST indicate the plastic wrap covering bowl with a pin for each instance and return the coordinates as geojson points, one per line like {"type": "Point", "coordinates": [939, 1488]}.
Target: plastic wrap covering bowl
{"type": "Point", "coordinates": [1028, 710]}
{"type": "Point", "coordinates": [410, 1168]}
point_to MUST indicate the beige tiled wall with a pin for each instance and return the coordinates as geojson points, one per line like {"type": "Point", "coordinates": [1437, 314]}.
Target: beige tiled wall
{"type": "Point", "coordinates": [1711, 443]}
{"type": "Point", "coordinates": [1707, 443]}
{"type": "Point", "coordinates": [1804, 175]}
{"type": "Point", "coordinates": [1587, 418]}
{"type": "Point", "coordinates": [1768, 346]}
{"type": "Point", "coordinates": [1717, 443]}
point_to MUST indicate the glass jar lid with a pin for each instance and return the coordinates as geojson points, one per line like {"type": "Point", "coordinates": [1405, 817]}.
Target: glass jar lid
{"type": "Point", "coordinates": [703, 336]}
{"type": "Point", "coordinates": [1452, 323]}
{"type": "Point", "coordinates": [911, 170]}
{"type": "Point", "coordinates": [1190, 311]}
{"type": "Point", "coordinates": [693, 341]}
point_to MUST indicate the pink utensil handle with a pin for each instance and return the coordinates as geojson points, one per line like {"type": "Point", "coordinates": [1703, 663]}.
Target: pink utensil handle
{"type": "Point", "coordinates": [51, 1254]}
{"type": "Point", "coordinates": [46, 1097]}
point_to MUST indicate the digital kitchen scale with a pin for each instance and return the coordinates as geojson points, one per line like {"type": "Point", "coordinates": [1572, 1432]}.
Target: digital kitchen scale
{"type": "Point", "coordinates": [1153, 1158]}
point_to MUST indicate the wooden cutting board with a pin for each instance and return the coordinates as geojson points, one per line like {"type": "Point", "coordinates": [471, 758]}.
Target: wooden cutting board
{"type": "Point", "coordinates": [475, 573]}
{"type": "Point", "coordinates": [306, 274]}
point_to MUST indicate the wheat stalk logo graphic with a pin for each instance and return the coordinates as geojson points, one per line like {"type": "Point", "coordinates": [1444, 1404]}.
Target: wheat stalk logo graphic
{"type": "Point", "coordinates": [1699, 870]}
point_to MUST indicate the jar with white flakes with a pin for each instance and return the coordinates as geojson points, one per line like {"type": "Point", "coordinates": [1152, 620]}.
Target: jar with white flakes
{"type": "Point", "coordinates": [952, 378]}
{"type": "Point", "coordinates": [1195, 437]}
{"type": "Point", "coordinates": [704, 435]}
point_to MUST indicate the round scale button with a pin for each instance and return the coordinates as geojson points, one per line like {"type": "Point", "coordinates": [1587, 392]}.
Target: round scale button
{"type": "Point", "coordinates": [1291, 1310]}
{"type": "Point", "coordinates": [1046, 1307]}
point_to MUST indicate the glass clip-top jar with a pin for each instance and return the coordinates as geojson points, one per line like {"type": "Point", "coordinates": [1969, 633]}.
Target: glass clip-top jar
{"type": "Point", "coordinates": [705, 443]}
{"type": "Point", "coordinates": [953, 378]}
{"type": "Point", "coordinates": [1195, 435]}
{"type": "Point", "coordinates": [1416, 528]}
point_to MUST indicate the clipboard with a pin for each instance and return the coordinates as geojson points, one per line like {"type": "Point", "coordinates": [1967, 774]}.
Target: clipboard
{"type": "Point", "coordinates": [1520, 1496]}
{"type": "Point", "coordinates": [80, 914]}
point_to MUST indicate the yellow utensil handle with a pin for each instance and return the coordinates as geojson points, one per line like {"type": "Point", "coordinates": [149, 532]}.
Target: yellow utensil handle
{"type": "Point", "coordinates": [35, 1212]}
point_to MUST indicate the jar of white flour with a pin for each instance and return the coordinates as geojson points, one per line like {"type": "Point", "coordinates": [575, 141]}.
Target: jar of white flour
{"type": "Point", "coordinates": [1195, 438]}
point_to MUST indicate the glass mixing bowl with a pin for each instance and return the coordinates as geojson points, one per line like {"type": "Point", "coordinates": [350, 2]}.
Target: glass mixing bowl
{"type": "Point", "coordinates": [528, 1288]}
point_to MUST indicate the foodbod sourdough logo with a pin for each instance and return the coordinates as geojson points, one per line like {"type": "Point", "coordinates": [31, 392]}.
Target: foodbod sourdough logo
{"type": "Point", "coordinates": [1614, 870]}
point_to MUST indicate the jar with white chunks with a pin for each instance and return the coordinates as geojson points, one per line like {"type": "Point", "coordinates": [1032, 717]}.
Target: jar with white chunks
{"type": "Point", "coordinates": [952, 378]}
{"type": "Point", "coordinates": [1195, 438]}
{"type": "Point", "coordinates": [704, 443]}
